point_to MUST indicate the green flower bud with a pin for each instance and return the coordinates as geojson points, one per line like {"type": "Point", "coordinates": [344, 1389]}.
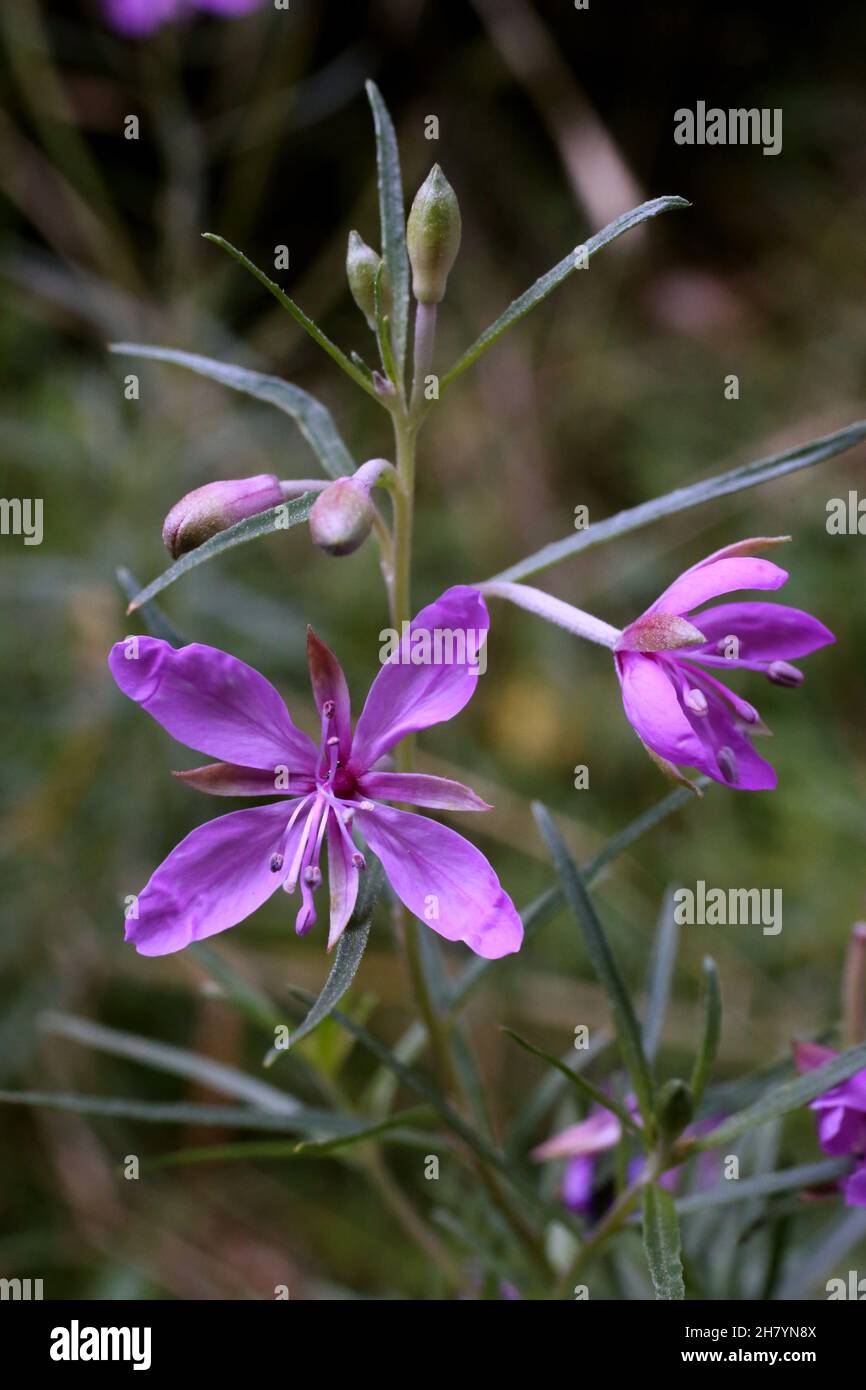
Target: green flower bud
{"type": "Point", "coordinates": [433, 236]}
{"type": "Point", "coordinates": [674, 1108]}
{"type": "Point", "coordinates": [341, 517]}
{"type": "Point", "coordinates": [362, 267]}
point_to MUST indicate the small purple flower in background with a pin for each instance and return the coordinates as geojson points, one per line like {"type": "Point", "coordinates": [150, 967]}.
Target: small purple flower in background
{"type": "Point", "coordinates": [138, 18]}
{"type": "Point", "coordinates": [841, 1117]}
{"type": "Point", "coordinates": [681, 713]}
{"type": "Point", "coordinates": [227, 868]}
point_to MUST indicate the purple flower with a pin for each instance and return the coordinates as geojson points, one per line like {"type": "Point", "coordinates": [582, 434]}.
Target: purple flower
{"type": "Point", "coordinates": [138, 18]}
{"type": "Point", "coordinates": [683, 714]}
{"type": "Point", "coordinates": [227, 868]}
{"type": "Point", "coordinates": [841, 1117]}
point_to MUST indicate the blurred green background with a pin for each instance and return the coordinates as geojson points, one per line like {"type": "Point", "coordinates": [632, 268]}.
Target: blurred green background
{"type": "Point", "coordinates": [551, 122]}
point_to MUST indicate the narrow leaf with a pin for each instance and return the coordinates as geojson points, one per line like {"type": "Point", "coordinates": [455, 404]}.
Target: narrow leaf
{"type": "Point", "coordinates": [792, 1095]}
{"type": "Point", "coordinates": [597, 1096]}
{"type": "Point", "coordinates": [313, 419]}
{"type": "Point", "coordinates": [712, 1031]}
{"type": "Point", "coordinates": [547, 283]}
{"type": "Point", "coordinates": [603, 962]}
{"type": "Point", "coordinates": [156, 622]}
{"type": "Point", "coordinates": [661, 1242]}
{"type": "Point", "coordinates": [394, 1126]}
{"type": "Point", "coordinates": [347, 957]}
{"type": "Point", "coordinates": [707, 490]}
{"type": "Point", "coordinates": [765, 1185]}
{"type": "Point", "coordinates": [392, 218]}
{"type": "Point", "coordinates": [404, 1119]}
{"type": "Point", "coordinates": [661, 976]}
{"type": "Point", "coordinates": [298, 315]}
{"type": "Point", "coordinates": [305, 1121]}
{"type": "Point", "coordinates": [279, 518]}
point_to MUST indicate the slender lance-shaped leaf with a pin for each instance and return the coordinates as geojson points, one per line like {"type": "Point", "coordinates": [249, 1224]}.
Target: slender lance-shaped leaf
{"type": "Point", "coordinates": [299, 316]}
{"type": "Point", "coordinates": [178, 1061]}
{"type": "Point", "coordinates": [403, 1120]}
{"type": "Point", "coordinates": [765, 1185]}
{"type": "Point", "coordinates": [712, 1032]}
{"type": "Point", "coordinates": [597, 1096]}
{"type": "Point", "coordinates": [724, 484]}
{"type": "Point", "coordinates": [279, 518]}
{"type": "Point", "coordinates": [392, 218]}
{"type": "Point", "coordinates": [792, 1095]}
{"type": "Point", "coordinates": [313, 419]}
{"type": "Point", "coordinates": [542, 908]}
{"type": "Point", "coordinates": [156, 622]}
{"type": "Point", "coordinates": [305, 1121]}
{"type": "Point", "coordinates": [661, 1242]}
{"type": "Point", "coordinates": [603, 962]}
{"type": "Point", "coordinates": [547, 283]}
{"type": "Point", "coordinates": [396, 1127]}
{"type": "Point", "coordinates": [347, 958]}
{"type": "Point", "coordinates": [661, 977]}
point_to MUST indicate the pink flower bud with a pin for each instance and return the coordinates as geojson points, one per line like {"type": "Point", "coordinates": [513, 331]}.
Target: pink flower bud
{"type": "Point", "coordinates": [342, 516]}
{"type": "Point", "coordinates": [207, 510]}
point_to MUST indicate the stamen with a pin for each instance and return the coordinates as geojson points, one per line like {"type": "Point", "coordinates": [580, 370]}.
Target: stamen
{"type": "Point", "coordinates": [367, 806]}
{"type": "Point", "coordinates": [728, 765]}
{"type": "Point", "coordinates": [696, 701]}
{"type": "Point", "coordinates": [328, 709]}
{"type": "Point", "coordinates": [783, 673]}
{"type": "Point", "coordinates": [294, 871]}
{"type": "Point", "coordinates": [276, 863]}
{"type": "Point", "coordinates": [358, 860]}
{"type": "Point", "coordinates": [312, 876]}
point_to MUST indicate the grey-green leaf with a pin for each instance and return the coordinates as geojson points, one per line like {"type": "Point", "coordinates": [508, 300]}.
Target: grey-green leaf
{"type": "Point", "coordinates": [547, 283]}
{"type": "Point", "coordinates": [603, 962]}
{"type": "Point", "coordinates": [660, 976]}
{"type": "Point", "coordinates": [661, 1242]}
{"type": "Point", "coordinates": [313, 419]}
{"type": "Point", "coordinates": [156, 622]}
{"type": "Point", "coordinates": [279, 518]}
{"type": "Point", "coordinates": [792, 1095]}
{"type": "Point", "coordinates": [392, 218]}
{"type": "Point", "coordinates": [304, 1121]}
{"type": "Point", "coordinates": [764, 1185]}
{"type": "Point", "coordinates": [680, 500]}
{"type": "Point", "coordinates": [581, 1083]}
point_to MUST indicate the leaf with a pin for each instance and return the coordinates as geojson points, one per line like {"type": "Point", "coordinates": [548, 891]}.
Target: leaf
{"type": "Point", "coordinates": [392, 219]}
{"type": "Point", "coordinates": [156, 622]}
{"type": "Point", "coordinates": [707, 490]}
{"type": "Point", "coordinates": [597, 1096]}
{"type": "Point", "coordinates": [177, 1061]}
{"type": "Point", "coordinates": [394, 1125]}
{"type": "Point", "coordinates": [547, 283]}
{"type": "Point", "coordinates": [298, 315]}
{"type": "Point", "coordinates": [661, 976]}
{"type": "Point", "coordinates": [347, 958]}
{"type": "Point", "coordinates": [782, 1099]}
{"type": "Point", "coordinates": [603, 962]}
{"type": "Point", "coordinates": [279, 518]}
{"type": "Point", "coordinates": [661, 1243]}
{"type": "Point", "coordinates": [542, 908]}
{"type": "Point", "coordinates": [304, 1121]}
{"type": "Point", "coordinates": [403, 1120]}
{"type": "Point", "coordinates": [712, 1032]}
{"type": "Point", "coordinates": [764, 1185]}
{"type": "Point", "coordinates": [313, 419]}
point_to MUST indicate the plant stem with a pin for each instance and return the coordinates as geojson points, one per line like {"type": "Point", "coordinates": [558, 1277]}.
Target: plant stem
{"type": "Point", "coordinates": [425, 339]}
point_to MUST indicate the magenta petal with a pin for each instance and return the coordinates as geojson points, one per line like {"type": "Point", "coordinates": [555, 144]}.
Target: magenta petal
{"type": "Point", "coordinates": [419, 789]}
{"type": "Point", "coordinates": [809, 1055]}
{"type": "Point", "coordinates": [600, 1131]}
{"type": "Point", "coordinates": [444, 880]}
{"type": "Point", "coordinates": [329, 685]}
{"type": "Point", "coordinates": [709, 580]}
{"type": "Point", "coordinates": [406, 696]}
{"type": "Point", "coordinates": [212, 702]}
{"type": "Point", "coordinates": [727, 754]}
{"type": "Point", "coordinates": [213, 879]}
{"type": "Point", "coordinates": [577, 1182]}
{"type": "Point", "coordinates": [138, 18]}
{"type": "Point", "coordinates": [653, 710]}
{"type": "Point", "coordinates": [342, 880]}
{"type": "Point", "coordinates": [854, 1187]}
{"type": "Point", "coordinates": [765, 631]}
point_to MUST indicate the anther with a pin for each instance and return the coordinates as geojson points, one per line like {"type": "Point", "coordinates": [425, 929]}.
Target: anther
{"type": "Point", "coordinates": [312, 875]}
{"type": "Point", "coordinates": [783, 673]}
{"type": "Point", "coordinates": [332, 741]}
{"type": "Point", "coordinates": [728, 765]}
{"type": "Point", "coordinates": [367, 806]}
{"type": "Point", "coordinates": [358, 860]}
{"type": "Point", "coordinates": [276, 863]}
{"type": "Point", "coordinates": [696, 701]}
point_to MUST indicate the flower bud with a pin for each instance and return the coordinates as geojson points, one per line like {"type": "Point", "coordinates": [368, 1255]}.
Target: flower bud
{"type": "Point", "coordinates": [207, 510]}
{"type": "Point", "coordinates": [674, 1108]}
{"type": "Point", "coordinates": [362, 267]}
{"type": "Point", "coordinates": [433, 236]}
{"type": "Point", "coordinates": [341, 517]}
